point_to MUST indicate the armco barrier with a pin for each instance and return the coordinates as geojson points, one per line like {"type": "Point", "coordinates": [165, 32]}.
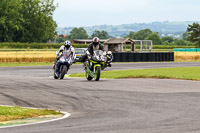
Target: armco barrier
{"type": "Point", "coordinates": [143, 57]}
{"type": "Point", "coordinates": [198, 49]}
{"type": "Point", "coordinates": [179, 49]}
{"type": "Point", "coordinates": [186, 49]}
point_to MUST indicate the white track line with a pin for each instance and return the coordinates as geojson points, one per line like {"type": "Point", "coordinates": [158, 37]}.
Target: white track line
{"type": "Point", "coordinates": [66, 115]}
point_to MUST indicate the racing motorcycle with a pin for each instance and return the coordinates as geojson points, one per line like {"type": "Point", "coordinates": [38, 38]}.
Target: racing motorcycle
{"type": "Point", "coordinates": [94, 65]}
{"type": "Point", "coordinates": [63, 65]}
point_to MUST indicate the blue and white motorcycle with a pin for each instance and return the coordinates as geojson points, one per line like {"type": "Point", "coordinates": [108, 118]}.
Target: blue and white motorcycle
{"type": "Point", "coordinates": [63, 65]}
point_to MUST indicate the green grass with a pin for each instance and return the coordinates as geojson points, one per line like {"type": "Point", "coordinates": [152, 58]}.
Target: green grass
{"type": "Point", "coordinates": [185, 73]}
{"type": "Point", "coordinates": [14, 113]}
{"type": "Point", "coordinates": [23, 64]}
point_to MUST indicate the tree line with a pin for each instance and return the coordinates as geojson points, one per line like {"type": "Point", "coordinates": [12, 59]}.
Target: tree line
{"type": "Point", "coordinates": [81, 33]}
{"type": "Point", "coordinates": [190, 38]}
{"type": "Point", "coordinates": [32, 21]}
{"type": "Point", "coordinates": [27, 20]}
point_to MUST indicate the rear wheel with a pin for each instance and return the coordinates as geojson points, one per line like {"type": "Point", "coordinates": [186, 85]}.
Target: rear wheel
{"type": "Point", "coordinates": [63, 71]}
{"type": "Point", "coordinates": [98, 73]}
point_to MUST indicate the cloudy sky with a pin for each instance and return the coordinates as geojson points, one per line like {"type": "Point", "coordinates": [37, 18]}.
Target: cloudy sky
{"type": "Point", "coordinates": [114, 12]}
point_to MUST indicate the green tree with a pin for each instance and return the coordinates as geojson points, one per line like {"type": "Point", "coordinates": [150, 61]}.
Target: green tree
{"type": "Point", "coordinates": [104, 34]}
{"type": "Point", "coordinates": [167, 39]}
{"type": "Point", "coordinates": [180, 42]}
{"type": "Point", "coordinates": [78, 33]}
{"type": "Point", "coordinates": [10, 20]}
{"type": "Point", "coordinates": [27, 20]}
{"type": "Point", "coordinates": [185, 35]}
{"type": "Point", "coordinates": [142, 34]}
{"type": "Point", "coordinates": [100, 34]}
{"type": "Point", "coordinates": [194, 33]}
{"type": "Point", "coordinates": [60, 40]}
{"type": "Point", "coordinates": [131, 35]}
{"type": "Point", "coordinates": [39, 25]}
{"type": "Point", "coordinates": [155, 38]}
{"type": "Point", "coordinates": [96, 33]}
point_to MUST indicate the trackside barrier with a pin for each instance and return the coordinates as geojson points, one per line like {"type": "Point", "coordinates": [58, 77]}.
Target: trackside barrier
{"type": "Point", "coordinates": [143, 57]}
{"type": "Point", "coordinates": [186, 49]}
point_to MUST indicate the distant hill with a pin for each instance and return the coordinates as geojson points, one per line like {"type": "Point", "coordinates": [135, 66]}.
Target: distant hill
{"type": "Point", "coordinates": [174, 29]}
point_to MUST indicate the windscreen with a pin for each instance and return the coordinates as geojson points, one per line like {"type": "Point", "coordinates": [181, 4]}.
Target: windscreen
{"type": "Point", "coordinates": [98, 52]}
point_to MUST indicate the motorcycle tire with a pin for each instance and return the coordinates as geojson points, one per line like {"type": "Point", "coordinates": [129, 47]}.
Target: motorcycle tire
{"type": "Point", "coordinates": [63, 71]}
{"type": "Point", "coordinates": [89, 78]}
{"type": "Point", "coordinates": [54, 75]}
{"type": "Point", "coordinates": [98, 73]}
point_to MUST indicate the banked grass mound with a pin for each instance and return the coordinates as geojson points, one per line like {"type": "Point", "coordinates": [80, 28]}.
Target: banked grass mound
{"type": "Point", "coordinates": [14, 113]}
{"type": "Point", "coordinates": [185, 73]}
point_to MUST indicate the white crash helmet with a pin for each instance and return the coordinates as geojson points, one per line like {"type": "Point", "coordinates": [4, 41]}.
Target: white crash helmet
{"type": "Point", "coordinates": [67, 44]}
{"type": "Point", "coordinates": [109, 53]}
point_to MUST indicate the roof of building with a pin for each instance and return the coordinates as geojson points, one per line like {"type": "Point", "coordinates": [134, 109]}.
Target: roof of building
{"type": "Point", "coordinates": [118, 41]}
{"type": "Point", "coordinates": [62, 35]}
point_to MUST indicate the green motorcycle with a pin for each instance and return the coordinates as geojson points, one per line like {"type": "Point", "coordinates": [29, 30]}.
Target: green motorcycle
{"type": "Point", "coordinates": [94, 65]}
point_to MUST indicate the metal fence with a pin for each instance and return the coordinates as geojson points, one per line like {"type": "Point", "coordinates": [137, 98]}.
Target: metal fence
{"type": "Point", "coordinates": [143, 57]}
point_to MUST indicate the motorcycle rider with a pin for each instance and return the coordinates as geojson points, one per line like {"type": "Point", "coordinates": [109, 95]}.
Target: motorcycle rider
{"type": "Point", "coordinates": [95, 45]}
{"type": "Point", "coordinates": [109, 58]}
{"type": "Point", "coordinates": [67, 46]}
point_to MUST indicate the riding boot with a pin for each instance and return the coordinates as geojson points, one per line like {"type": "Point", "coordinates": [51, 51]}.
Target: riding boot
{"type": "Point", "coordinates": [109, 64]}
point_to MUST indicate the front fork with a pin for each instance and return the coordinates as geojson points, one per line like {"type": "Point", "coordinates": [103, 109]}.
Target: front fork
{"type": "Point", "coordinates": [89, 65]}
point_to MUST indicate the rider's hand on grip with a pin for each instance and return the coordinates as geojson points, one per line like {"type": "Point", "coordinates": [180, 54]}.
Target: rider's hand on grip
{"type": "Point", "coordinates": [89, 57]}
{"type": "Point", "coordinates": [88, 53]}
{"type": "Point", "coordinates": [104, 53]}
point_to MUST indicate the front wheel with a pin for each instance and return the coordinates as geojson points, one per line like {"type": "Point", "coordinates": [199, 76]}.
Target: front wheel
{"type": "Point", "coordinates": [63, 71]}
{"type": "Point", "coordinates": [98, 73]}
{"type": "Point", "coordinates": [55, 76]}
{"type": "Point", "coordinates": [89, 78]}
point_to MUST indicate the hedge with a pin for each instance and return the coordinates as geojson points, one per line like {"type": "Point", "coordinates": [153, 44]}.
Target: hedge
{"type": "Point", "coordinates": [162, 46]}
{"type": "Point", "coordinates": [56, 46]}
{"type": "Point", "coordinates": [171, 46]}
{"type": "Point", "coordinates": [37, 45]}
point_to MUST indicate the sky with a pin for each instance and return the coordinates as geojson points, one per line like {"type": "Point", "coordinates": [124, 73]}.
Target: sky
{"type": "Point", "coordinates": [79, 13]}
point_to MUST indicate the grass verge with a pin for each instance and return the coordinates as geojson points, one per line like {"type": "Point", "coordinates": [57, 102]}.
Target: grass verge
{"type": "Point", "coordinates": [24, 64]}
{"type": "Point", "coordinates": [185, 73]}
{"type": "Point", "coordinates": [14, 113]}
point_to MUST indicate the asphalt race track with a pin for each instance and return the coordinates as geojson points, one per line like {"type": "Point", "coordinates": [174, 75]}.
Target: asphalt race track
{"type": "Point", "coordinates": [107, 106]}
